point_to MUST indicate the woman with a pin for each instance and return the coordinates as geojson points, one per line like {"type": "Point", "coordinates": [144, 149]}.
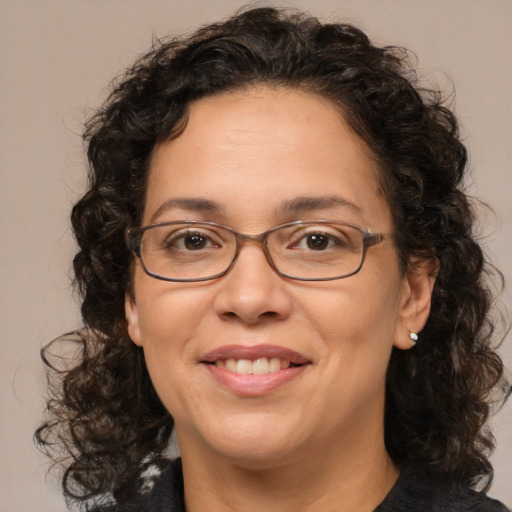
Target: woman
{"type": "Point", "coordinates": [276, 259]}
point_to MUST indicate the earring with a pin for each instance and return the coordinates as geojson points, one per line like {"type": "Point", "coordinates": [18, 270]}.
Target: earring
{"type": "Point", "coordinates": [413, 336]}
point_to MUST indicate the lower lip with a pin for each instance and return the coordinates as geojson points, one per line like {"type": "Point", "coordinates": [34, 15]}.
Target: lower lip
{"type": "Point", "coordinates": [254, 385]}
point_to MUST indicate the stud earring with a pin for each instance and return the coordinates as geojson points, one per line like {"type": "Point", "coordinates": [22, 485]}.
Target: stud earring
{"type": "Point", "coordinates": [413, 336]}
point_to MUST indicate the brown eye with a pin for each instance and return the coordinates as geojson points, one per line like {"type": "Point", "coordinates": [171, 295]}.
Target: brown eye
{"type": "Point", "coordinates": [317, 242]}
{"type": "Point", "coordinates": [320, 239]}
{"type": "Point", "coordinates": [186, 240]}
{"type": "Point", "coordinates": [194, 242]}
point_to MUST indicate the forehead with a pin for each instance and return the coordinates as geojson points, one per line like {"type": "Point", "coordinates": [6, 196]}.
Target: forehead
{"type": "Point", "coordinates": [251, 150]}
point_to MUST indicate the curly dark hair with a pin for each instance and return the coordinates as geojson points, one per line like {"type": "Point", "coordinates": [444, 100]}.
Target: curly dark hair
{"type": "Point", "coordinates": [104, 416]}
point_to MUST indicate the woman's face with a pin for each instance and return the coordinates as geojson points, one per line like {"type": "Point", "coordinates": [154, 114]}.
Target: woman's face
{"type": "Point", "coordinates": [252, 160]}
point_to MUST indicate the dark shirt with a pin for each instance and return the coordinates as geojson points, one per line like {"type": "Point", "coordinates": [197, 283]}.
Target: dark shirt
{"type": "Point", "coordinates": [417, 489]}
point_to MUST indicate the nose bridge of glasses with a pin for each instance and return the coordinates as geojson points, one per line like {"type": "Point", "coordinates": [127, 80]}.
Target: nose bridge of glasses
{"type": "Point", "coordinates": [258, 240]}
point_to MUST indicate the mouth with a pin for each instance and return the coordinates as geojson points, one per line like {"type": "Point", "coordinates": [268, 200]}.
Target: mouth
{"type": "Point", "coordinates": [254, 370]}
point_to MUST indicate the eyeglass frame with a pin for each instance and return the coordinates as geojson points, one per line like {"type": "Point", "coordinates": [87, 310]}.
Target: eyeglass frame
{"type": "Point", "coordinates": [134, 239]}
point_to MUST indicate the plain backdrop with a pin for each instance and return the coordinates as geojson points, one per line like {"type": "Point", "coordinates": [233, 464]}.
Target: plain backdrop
{"type": "Point", "coordinates": [56, 59]}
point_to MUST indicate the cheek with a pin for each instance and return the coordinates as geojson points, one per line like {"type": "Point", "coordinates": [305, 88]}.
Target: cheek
{"type": "Point", "coordinates": [169, 316]}
{"type": "Point", "coordinates": [354, 324]}
{"type": "Point", "coordinates": [169, 323]}
{"type": "Point", "coordinates": [350, 310]}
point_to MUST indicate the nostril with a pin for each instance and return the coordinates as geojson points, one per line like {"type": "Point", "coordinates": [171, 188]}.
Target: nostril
{"type": "Point", "coordinates": [251, 319]}
{"type": "Point", "coordinates": [269, 314]}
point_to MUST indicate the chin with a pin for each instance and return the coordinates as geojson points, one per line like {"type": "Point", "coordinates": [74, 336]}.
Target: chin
{"type": "Point", "coordinates": [253, 442]}
{"type": "Point", "coordinates": [258, 456]}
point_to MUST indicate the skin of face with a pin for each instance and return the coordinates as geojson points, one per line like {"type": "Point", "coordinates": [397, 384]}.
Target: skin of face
{"type": "Point", "coordinates": [250, 152]}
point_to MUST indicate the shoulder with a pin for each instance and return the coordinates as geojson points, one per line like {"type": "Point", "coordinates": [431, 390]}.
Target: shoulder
{"type": "Point", "coordinates": [421, 489]}
{"type": "Point", "coordinates": [163, 493]}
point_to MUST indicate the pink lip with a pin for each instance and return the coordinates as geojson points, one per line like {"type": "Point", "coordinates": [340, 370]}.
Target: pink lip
{"type": "Point", "coordinates": [254, 385]}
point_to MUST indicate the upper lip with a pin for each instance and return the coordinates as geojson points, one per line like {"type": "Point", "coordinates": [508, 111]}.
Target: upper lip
{"type": "Point", "coordinates": [253, 352]}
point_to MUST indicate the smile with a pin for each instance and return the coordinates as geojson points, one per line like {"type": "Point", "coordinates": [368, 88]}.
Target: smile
{"type": "Point", "coordinates": [254, 370]}
{"type": "Point", "coordinates": [260, 366]}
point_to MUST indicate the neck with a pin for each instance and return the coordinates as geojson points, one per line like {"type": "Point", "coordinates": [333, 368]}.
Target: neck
{"type": "Point", "coordinates": [357, 477]}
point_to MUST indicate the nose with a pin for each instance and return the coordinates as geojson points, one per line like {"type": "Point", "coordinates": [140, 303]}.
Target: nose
{"type": "Point", "coordinates": [252, 292]}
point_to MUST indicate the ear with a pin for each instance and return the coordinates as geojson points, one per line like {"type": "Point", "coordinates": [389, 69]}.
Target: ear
{"type": "Point", "coordinates": [132, 319]}
{"type": "Point", "coordinates": [415, 301]}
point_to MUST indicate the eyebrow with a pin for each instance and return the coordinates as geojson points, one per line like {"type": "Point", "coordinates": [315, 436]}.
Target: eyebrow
{"type": "Point", "coordinates": [192, 204]}
{"type": "Point", "coordinates": [291, 206]}
{"type": "Point", "coordinates": [307, 204]}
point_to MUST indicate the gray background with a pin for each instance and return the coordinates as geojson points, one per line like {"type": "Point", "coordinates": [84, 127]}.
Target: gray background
{"type": "Point", "coordinates": [56, 58]}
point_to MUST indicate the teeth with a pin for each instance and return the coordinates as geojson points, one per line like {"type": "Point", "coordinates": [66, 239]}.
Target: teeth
{"type": "Point", "coordinates": [231, 365]}
{"type": "Point", "coordinates": [260, 366]}
{"type": "Point", "coordinates": [244, 366]}
{"type": "Point", "coordinates": [275, 364]}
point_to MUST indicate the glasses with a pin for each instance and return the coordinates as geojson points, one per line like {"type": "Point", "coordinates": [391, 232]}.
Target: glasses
{"type": "Point", "coordinates": [187, 251]}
